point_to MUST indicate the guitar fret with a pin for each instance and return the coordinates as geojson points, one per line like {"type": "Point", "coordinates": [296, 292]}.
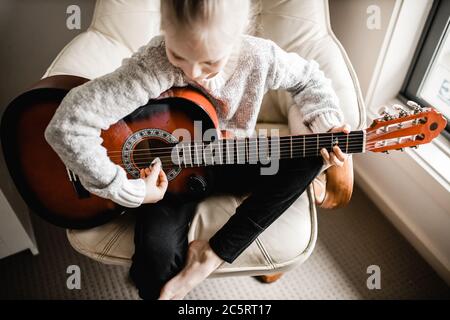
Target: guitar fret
{"type": "Point", "coordinates": [304, 146]}
{"type": "Point", "coordinates": [240, 146]}
{"type": "Point", "coordinates": [252, 150]}
{"type": "Point", "coordinates": [363, 141]}
{"type": "Point", "coordinates": [184, 155]}
{"type": "Point", "coordinates": [256, 150]}
{"type": "Point", "coordinates": [203, 154]}
{"type": "Point", "coordinates": [178, 154]}
{"type": "Point", "coordinates": [225, 150]}
{"type": "Point", "coordinates": [346, 144]}
{"type": "Point", "coordinates": [211, 145]}
{"type": "Point", "coordinates": [291, 147]}
{"type": "Point", "coordinates": [190, 153]}
{"type": "Point", "coordinates": [219, 145]}
{"type": "Point", "coordinates": [247, 153]}
{"type": "Point", "coordinates": [237, 151]}
{"type": "Point", "coordinates": [196, 154]}
{"type": "Point", "coordinates": [190, 156]}
{"type": "Point", "coordinates": [227, 146]}
{"type": "Point", "coordinates": [317, 152]}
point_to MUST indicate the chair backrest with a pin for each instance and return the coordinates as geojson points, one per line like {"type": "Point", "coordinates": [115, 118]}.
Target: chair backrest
{"type": "Point", "coordinates": [303, 26]}
{"type": "Point", "coordinates": [119, 28]}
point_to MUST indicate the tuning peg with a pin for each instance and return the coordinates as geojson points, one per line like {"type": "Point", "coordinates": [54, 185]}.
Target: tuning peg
{"type": "Point", "coordinates": [401, 149]}
{"type": "Point", "coordinates": [413, 104]}
{"type": "Point", "coordinates": [388, 116]}
{"type": "Point", "coordinates": [384, 112]}
{"type": "Point", "coordinates": [419, 137]}
{"type": "Point", "coordinates": [402, 112]}
{"type": "Point", "coordinates": [416, 107]}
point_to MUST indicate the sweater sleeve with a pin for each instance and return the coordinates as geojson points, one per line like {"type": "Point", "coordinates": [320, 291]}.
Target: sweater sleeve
{"type": "Point", "coordinates": [74, 131]}
{"type": "Point", "coordinates": [311, 90]}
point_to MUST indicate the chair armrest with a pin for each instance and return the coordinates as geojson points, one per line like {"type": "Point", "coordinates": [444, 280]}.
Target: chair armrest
{"type": "Point", "coordinates": [338, 185]}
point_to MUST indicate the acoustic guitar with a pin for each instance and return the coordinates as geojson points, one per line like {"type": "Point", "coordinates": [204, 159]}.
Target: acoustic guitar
{"type": "Point", "coordinates": [181, 128]}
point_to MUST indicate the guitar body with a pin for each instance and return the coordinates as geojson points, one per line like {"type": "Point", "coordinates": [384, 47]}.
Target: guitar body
{"type": "Point", "coordinates": [44, 181]}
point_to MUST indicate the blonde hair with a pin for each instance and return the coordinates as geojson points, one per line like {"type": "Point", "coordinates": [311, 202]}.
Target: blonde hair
{"type": "Point", "coordinates": [196, 15]}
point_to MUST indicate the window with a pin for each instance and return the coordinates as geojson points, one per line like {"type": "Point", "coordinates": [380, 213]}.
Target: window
{"type": "Point", "coordinates": [428, 81]}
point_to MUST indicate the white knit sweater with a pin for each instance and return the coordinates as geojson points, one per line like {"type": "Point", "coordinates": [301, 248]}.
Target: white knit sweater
{"type": "Point", "coordinates": [258, 65]}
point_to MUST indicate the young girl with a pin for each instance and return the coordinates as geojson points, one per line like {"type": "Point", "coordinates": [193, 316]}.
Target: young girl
{"type": "Point", "coordinates": [203, 45]}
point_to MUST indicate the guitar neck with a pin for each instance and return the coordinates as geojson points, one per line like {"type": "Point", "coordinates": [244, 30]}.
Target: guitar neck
{"type": "Point", "coordinates": [262, 150]}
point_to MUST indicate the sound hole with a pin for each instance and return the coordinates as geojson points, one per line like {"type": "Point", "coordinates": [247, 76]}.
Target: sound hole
{"type": "Point", "coordinates": [150, 148]}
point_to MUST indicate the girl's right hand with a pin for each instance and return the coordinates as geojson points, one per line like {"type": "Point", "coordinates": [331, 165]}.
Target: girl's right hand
{"type": "Point", "coordinates": [155, 180]}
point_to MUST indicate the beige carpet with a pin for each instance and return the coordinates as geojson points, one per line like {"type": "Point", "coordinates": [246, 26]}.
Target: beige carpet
{"type": "Point", "coordinates": [349, 241]}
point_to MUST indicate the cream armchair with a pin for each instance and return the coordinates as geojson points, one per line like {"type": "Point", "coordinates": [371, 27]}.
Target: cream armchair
{"type": "Point", "coordinates": [119, 28]}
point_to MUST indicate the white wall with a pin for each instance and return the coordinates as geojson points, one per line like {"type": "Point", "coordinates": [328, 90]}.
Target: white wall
{"type": "Point", "coordinates": [349, 22]}
{"type": "Point", "coordinates": [405, 186]}
{"type": "Point", "coordinates": [32, 33]}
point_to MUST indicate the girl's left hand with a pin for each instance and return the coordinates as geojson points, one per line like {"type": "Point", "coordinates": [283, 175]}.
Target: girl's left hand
{"type": "Point", "coordinates": [337, 157]}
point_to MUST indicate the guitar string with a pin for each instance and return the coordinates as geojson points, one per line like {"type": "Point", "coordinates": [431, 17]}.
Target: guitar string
{"type": "Point", "coordinates": [283, 139]}
{"type": "Point", "coordinates": [312, 136]}
{"type": "Point", "coordinates": [283, 144]}
{"type": "Point", "coordinates": [244, 150]}
{"type": "Point", "coordinates": [369, 147]}
{"type": "Point", "coordinates": [203, 164]}
{"type": "Point", "coordinates": [246, 156]}
{"type": "Point", "coordinates": [169, 163]}
{"type": "Point", "coordinates": [239, 142]}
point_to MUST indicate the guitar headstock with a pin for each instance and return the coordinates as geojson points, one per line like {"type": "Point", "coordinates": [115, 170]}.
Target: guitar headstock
{"type": "Point", "coordinates": [402, 128]}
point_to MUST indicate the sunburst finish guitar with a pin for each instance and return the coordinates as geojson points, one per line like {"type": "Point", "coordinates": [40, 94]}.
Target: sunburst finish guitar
{"type": "Point", "coordinates": [55, 193]}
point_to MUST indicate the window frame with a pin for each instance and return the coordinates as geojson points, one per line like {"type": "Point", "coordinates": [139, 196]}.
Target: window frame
{"type": "Point", "coordinates": [436, 25]}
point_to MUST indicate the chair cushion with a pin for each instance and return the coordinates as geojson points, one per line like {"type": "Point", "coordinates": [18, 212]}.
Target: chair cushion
{"type": "Point", "coordinates": [284, 244]}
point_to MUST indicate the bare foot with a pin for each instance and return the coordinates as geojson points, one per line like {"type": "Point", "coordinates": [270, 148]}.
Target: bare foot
{"type": "Point", "coordinates": [201, 261]}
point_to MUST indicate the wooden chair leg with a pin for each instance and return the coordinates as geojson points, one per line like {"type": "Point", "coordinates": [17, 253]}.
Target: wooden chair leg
{"type": "Point", "coordinates": [270, 278]}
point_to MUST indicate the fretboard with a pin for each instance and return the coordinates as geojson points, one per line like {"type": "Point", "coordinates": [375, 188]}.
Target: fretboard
{"type": "Point", "coordinates": [261, 150]}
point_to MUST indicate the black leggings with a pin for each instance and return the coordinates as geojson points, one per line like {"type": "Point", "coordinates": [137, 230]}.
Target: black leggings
{"type": "Point", "coordinates": [161, 228]}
